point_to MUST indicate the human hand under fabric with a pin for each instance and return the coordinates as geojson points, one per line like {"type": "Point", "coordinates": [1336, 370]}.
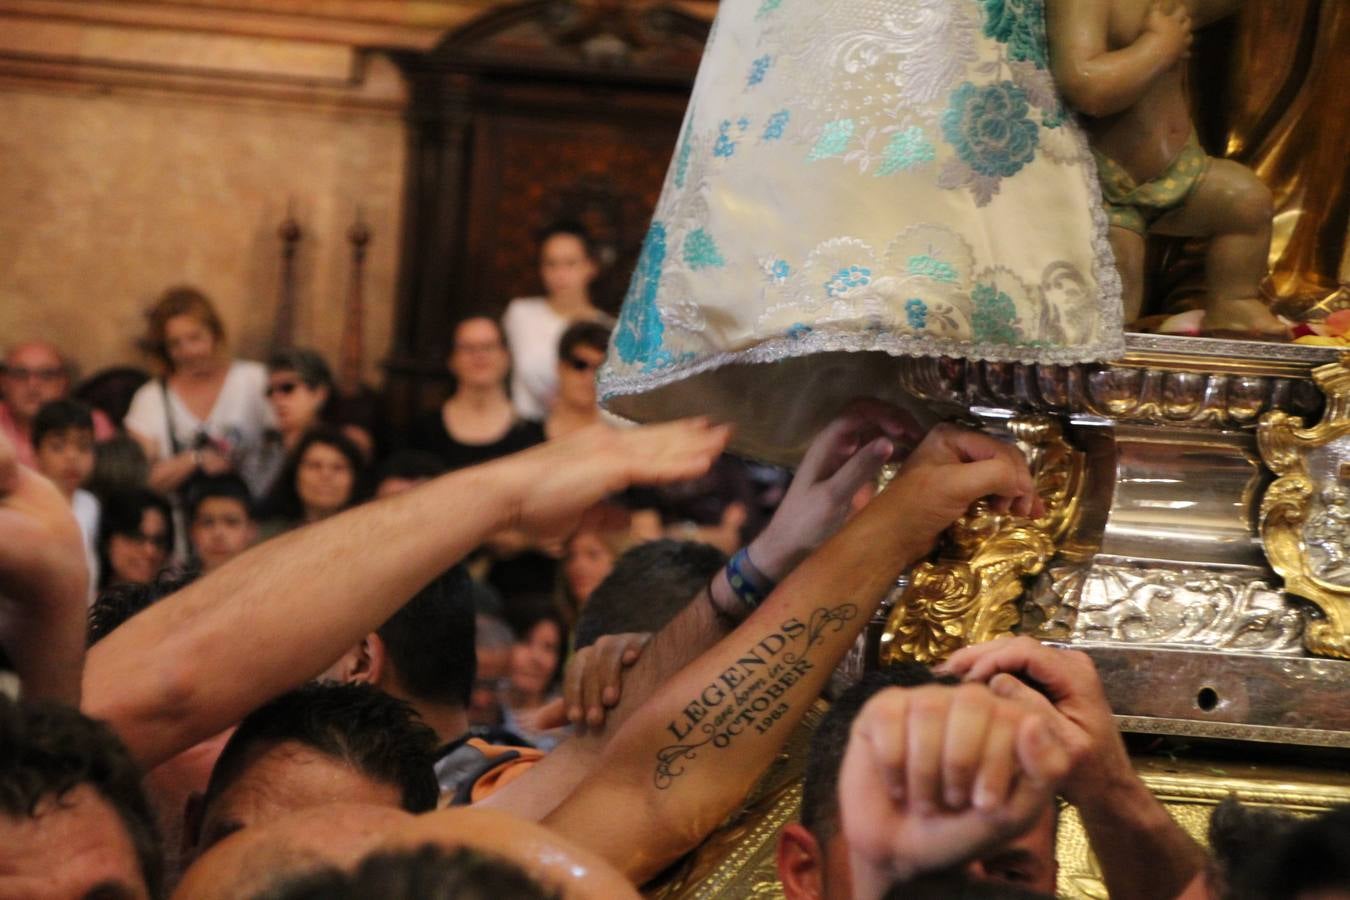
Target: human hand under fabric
{"type": "Point", "coordinates": [935, 776]}
{"type": "Point", "coordinates": [1125, 822]}
{"type": "Point", "coordinates": [44, 582]}
{"type": "Point", "coordinates": [846, 455]}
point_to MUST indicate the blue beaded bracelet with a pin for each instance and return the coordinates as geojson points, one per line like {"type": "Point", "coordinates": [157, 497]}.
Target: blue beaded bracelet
{"type": "Point", "coordinates": [748, 583]}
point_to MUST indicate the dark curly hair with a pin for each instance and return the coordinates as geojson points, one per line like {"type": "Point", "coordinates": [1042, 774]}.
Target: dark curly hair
{"type": "Point", "coordinates": [47, 750]}
{"type": "Point", "coordinates": [284, 502]}
{"type": "Point", "coordinates": [427, 873]}
{"type": "Point", "coordinates": [378, 735]}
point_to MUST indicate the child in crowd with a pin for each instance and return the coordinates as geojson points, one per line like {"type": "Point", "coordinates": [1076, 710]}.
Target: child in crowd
{"type": "Point", "coordinates": [63, 449]}
{"type": "Point", "coordinates": [221, 521]}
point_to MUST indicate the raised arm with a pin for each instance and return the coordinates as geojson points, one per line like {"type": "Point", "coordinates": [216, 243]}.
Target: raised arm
{"type": "Point", "coordinates": [686, 759]}
{"type": "Point", "coordinates": [200, 660]}
{"type": "Point", "coordinates": [1125, 823]}
{"type": "Point", "coordinates": [44, 582]}
{"type": "Point", "coordinates": [1096, 80]}
{"type": "Point", "coordinates": [834, 468]}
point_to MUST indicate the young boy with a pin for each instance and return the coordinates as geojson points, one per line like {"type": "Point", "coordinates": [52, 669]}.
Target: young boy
{"type": "Point", "coordinates": [221, 524]}
{"type": "Point", "coordinates": [63, 450]}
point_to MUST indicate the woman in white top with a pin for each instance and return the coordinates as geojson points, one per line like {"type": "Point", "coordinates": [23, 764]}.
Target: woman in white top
{"type": "Point", "coordinates": [533, 325]}
{"type": "Point", "coordinates": [208, 413]}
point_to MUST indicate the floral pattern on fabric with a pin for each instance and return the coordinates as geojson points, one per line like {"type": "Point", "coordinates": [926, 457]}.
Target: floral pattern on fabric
{"type": "Point", "coordinates": [879, 175]}
{"type": "Point", "coordinates": [1021, 25]}
{"type": "Point", "coordinates": [638, 335]}
{"type": "Point", "coordinates": [995, 316]}
{"type": "Point", "coordinates": [990, 129]}
{"type": "Point", "coordinates": [700, 251]}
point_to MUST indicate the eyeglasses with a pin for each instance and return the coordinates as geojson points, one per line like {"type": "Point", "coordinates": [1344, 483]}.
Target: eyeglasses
{"type": "Point", "coordinates": [485, 347]}
{"type": "Point", "coordinates": [21, 374]}
{"type": "Point", "coordinates": [285, 388]}
{"type": "Point", "coordinates": [159, 540]}
{"type": "Point", "coordinates": [581, 365]}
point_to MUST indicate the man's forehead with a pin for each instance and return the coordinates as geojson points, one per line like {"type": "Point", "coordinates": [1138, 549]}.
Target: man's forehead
{"type": "Point", "coordinates": [68, 848]}
{"type": "Point", "coordinates": [33, 353]}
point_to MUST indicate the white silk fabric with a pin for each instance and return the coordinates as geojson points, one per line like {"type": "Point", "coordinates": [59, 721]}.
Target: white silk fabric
{"type": "Point", "coordinates": [857, 181]}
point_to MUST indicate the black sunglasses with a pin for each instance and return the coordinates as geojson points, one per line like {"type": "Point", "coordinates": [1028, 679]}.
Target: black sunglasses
{"type": "Point", "coordinates": [286, 388]}
{"type": "Point", "coordinates": [581, 365]}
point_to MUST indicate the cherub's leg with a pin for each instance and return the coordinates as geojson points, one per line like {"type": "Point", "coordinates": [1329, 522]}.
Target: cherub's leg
{"type": "Point", "coordinates": [1128, 248]}
{"type": "Point", "coordinates": [1233, 208]}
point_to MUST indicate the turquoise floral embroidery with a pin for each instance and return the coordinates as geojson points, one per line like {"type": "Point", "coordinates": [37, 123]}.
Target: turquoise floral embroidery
{"type": "Point", "coordinates": [1021, 25]}
{"type": "Point", "coordinates": [833, 140]}
{"type": "Point", "coordinates": [640, 330]}
{"type": "Point", "coordinates": [725, 146]}
{"type": "Point", "coordinates": [989, 128]}
{"type": "Point", "coordinates": [682, 158]}
{"type": "Point", "coordinates": [847, 279]}
{"type": "Point", "coordinates": [758, 69]}
{"type": "Point", "coordinates": [777, 122]}
{"type": "Point", "coordinates": [798, 331]}
{"type": "Point", "coordinates": [700, 251]}
{"type": "Point", "coordinates": [743, 123]}
{"type": "Point", "coordinates": [932, 267]}
{"type": "Point", "coordinates": [781, 270]}
{"type": "Point", "coordinates": [916, 313]}
{"type": "Point", "coordinates": [907, 149]}
{"type": "Point", "coordinates": [995, 316]}
{"type": "Point", "coordinates": [767, 7]}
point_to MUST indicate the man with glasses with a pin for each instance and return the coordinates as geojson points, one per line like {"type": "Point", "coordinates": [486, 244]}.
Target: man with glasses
{"type": "Point", "coordinates": [34, 374]}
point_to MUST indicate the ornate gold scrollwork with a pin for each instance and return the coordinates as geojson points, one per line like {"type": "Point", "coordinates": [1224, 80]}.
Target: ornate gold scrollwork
{"type": "Point", "coordinates": [970, 593]}
{"type": "Point", "coordinates": [1285, 510]}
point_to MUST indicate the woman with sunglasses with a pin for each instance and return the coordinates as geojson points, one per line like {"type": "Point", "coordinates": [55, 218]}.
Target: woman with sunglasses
{"type": "Point", "coordinates": [477, 423]}
{"type": "Point", "coordinates": [135, 537]}
{"type": "Point", "coordinates": [302, 395]}
{"type": "Point", "coordinates": [580, 353]}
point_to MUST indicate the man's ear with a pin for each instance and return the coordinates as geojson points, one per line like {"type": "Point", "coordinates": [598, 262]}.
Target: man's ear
{"type": "Point", "coordinates": [801, 863]}
{"type": "Point", "coordinates": [363, 664]}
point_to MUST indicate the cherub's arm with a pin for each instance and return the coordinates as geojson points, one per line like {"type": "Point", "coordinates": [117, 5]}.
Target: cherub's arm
{"type": "Point", "coordinates": [1098, 81]}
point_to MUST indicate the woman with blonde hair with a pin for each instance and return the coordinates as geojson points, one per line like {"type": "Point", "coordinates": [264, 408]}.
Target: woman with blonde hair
{"type": "Point", "coordinates": [207, 413]}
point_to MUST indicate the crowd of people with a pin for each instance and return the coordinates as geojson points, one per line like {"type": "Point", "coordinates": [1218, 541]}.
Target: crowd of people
{"type": "Point", "coordinates": [516, 650]}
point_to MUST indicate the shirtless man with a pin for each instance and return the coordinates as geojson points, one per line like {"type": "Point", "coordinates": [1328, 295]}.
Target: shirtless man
{"type": "Point", "coordinates": [1121, 64]}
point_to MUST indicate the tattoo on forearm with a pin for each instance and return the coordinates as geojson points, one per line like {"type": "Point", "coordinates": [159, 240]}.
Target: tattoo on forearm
{"type": "Point", "coordinates": [751, 695]}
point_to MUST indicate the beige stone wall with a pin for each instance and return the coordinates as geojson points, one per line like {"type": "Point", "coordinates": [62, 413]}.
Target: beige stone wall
{"type": "Point", "coordinates": [147, 144]}
{"type": "Point", "coordinates": [107, 198]}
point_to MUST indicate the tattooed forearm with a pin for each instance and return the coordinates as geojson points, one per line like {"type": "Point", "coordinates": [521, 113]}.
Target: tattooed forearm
{"type": "Point", "coordinates": [752, 694]}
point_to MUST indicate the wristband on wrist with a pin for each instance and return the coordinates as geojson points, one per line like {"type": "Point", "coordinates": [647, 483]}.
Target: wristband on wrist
{"type": "Point", "coordinates": [748, 583]}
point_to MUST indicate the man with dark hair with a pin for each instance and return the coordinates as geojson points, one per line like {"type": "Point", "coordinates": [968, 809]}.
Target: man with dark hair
{"type": "Point", "coordinates": [63, 448]}
{"type": "Point", "coordinates": [813, 856]}
{"type": "Point", "coordinates": [321, 743]}
{"type": "Point", "coordinates": [425, 656]}
{"type": "Point", "coordinates": [581, 350]}
{"type": "Point", "coordinates": [416, 875]}
{"type": "Point", "coordinates": [34, 373]}
{"type": "Point", "coordinates": [73, 819]}
{"type": "Point", "coordinates": [1124, 821]}
{"type": "Point", "coordinates": [666, 574]}
{"type": "Point", "coordinates": [221, 519]}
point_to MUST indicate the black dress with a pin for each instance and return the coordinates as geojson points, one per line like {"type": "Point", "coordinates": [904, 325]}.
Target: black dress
{"type": "Point", "coordinates": [429, 435]}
